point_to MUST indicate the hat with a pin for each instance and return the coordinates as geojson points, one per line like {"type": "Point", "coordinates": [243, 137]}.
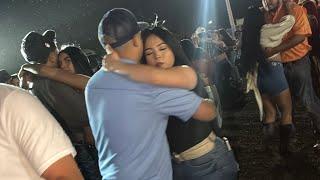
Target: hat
{"type": "Point", "coordinates": [36, 47]}
{"type": "Point", "coordinates": [4, 76]}
{"type": "Point", "coordinates": [117, 27]}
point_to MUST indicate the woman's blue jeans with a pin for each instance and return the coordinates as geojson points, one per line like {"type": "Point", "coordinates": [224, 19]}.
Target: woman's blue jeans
{"type": "Point", "coordinates": [218, 164]}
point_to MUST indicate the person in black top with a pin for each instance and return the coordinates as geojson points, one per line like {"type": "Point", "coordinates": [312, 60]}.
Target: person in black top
{"type": "Point", "coordinates": [200, 62]}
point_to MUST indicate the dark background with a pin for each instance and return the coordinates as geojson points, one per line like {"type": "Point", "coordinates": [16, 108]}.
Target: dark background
{"type": "Point", "coordinates": [75, 21]}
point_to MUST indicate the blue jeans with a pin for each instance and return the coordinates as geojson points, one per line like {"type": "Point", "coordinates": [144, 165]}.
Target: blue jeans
{"type": "Point", "coordinates": [271, 78]}
{"type": "Point", "coordinates": [218, 164]}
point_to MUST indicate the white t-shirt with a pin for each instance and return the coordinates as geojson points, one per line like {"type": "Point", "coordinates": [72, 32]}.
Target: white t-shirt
{"type": "Point", "coordinates": [30, 138]}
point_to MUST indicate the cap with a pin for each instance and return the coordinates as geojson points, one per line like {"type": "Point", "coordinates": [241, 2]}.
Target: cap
{"type": "Point", "coordinates": [36, 47]}
{"type": "Point", "coordinates": [117, 27]}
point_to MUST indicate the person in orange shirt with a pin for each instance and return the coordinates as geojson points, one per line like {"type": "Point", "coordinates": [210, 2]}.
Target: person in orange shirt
{"type": "Point", "coordinates": [294, 52]}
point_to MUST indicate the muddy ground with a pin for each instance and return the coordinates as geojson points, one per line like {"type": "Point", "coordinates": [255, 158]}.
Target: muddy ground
{"type": "Point", "coordinates": [243, 129]}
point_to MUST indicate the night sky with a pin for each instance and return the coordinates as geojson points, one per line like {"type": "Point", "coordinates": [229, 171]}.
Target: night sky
{"type": "Point", "coordinates": [75, 21]}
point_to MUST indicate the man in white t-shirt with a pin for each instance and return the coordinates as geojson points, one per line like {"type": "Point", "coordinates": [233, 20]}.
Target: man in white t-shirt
{"type": "Point", "coordinates": [32, 143]}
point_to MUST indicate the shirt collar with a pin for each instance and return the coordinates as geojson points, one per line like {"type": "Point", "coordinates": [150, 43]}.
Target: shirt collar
{"type": "Point", "coordinates": [123, 60]}
{"type": "Point", "coordinates": [128, 61]}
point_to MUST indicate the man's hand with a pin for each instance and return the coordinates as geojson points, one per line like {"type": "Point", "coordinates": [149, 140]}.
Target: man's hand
{"type": "Point", "coordinates": [284, 46]}
{"type": "Point", "coordinates": [269, 52]}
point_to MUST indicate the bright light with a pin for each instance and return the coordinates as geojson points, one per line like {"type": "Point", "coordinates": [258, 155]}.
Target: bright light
{"type": "Point", "coordinates": [204, 10]}
{"type": "Point", "coordinates": [207, 13]}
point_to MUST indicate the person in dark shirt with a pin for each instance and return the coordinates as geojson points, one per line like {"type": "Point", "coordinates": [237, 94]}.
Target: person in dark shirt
{"type": "Point", "coordinates": [66, 104]}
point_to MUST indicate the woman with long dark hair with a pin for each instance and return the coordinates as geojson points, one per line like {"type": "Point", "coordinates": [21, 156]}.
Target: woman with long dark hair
{"type": "Point", "coordinates": [72, 59]}
{"type": "Point", "coordinates": [271, 80]}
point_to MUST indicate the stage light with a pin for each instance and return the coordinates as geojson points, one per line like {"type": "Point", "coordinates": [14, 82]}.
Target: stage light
{"type": "Point", "coordinates": [204, 10]}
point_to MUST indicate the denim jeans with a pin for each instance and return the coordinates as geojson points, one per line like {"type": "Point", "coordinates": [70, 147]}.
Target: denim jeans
{"type": "Point", "coordinates": [271, 79]}
{"type": "Point", "coordinates": [87, 160]}
{"type": "Point", "coordinates": [218, 164]}
{"type": "Point", "coordinates": [298, 75]}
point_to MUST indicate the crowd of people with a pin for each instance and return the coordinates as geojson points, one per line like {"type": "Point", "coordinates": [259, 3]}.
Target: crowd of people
{"type": "Point", "coordinates": [153, 111]}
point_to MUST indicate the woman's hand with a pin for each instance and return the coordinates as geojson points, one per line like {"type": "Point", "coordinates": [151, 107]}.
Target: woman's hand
{"type": "Point", "coordinates": [111, 61]}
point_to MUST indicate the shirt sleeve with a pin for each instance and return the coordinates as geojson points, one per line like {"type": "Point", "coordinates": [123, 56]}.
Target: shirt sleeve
{"type": "Point", "coordinates": [302, 26]}
{"type": "Point", "coordinates": [177, 102]}
{"type": "Point", "coordinates": [35, 131]}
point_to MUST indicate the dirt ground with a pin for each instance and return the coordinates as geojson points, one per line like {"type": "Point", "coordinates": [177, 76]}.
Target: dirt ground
{"type": "Point", "coordinates": [243, 130]}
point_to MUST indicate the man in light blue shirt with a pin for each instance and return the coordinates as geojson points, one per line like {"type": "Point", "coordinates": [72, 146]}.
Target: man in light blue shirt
{"type": "Point", "coordinates": [130, 116]}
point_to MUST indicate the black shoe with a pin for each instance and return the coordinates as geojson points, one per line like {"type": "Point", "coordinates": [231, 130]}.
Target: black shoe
{"type": "Point", "coordinates": [270, 142]}
{"type": "Point", "coordinates": [287, 140]}
{"type": "Point", "coordinates": [268, 138]}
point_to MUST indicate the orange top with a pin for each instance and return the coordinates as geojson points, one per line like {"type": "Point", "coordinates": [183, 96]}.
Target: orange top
{"type": "Point", "coordinates": [301, 27]}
